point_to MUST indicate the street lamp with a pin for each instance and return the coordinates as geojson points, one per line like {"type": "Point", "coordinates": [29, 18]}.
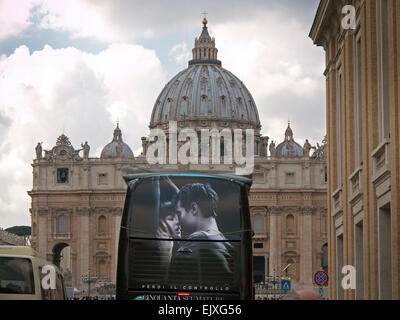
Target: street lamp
{"type": "Point", "coordinates": [285, 269]}
{"type": "Point", "coordinates": [88, 279]}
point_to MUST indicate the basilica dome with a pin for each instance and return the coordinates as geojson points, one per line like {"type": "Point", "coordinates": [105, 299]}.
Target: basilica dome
{"type": "Point", "coordinates": [116, 148]}
{"type": "Point", "coordinates": [289, 148]}
{"type": "Point", "coordinates": [205, 91]}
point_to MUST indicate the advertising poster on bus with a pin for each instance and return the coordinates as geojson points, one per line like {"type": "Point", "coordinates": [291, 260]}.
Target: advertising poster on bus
{"type": "Point", "coordinates": [184, 234]}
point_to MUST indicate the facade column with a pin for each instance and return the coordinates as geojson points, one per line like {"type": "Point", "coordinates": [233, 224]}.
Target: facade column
{"type": "Point", "coordinates": [274, 241]}
{"type": "Point", "coordinates": [42, 232]}
{"type": "Point", "coordinates": [306, 174]}
{"type": "Point", "coordinates": [117, 215]}
{"type": "Point", "coordinates": [307, 254]}
{"type": "Point", "coordinates": [84, 243]}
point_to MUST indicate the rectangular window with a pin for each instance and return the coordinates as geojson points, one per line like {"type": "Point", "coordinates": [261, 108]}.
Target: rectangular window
{"type": "Point", "coordinates": [61, 224]}
{"type": "Point", "coordinates": [258, 223]}
{"type": "Point", "coordinates": [103, 179]}
{"type": "Point", "coordinates": [258, 245]}
{"type": "Point", "coordinates": [62, 175]}
{"type": "Point", "coordinates": [290, 178]}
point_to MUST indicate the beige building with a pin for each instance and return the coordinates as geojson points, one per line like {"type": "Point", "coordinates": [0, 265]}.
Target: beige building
{"type": "Point", "coordinates": [288, 208]}
{"type": "Point", "coordinates": [77, 200]}
{"type": "Point", "coordinates": [363, 119]}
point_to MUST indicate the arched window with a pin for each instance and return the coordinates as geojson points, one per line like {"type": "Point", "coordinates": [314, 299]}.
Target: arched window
{"type": "Point", "coordinates": [102, 225]}
{"type": "Point", "coordinates": [258, 223]}
{"type": "Point", "coordinates": [289, 223]}
{"type": "Point", "coordinates": [62, 224]}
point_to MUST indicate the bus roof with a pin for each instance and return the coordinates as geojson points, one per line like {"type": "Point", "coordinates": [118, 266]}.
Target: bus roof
{"type": "Point", "coordinates": [135, 173]}
{"type": "Point", "coordinates": [18, 251]}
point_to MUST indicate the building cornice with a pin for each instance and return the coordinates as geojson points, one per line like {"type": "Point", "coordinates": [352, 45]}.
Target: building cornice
{"type": "Point", "coordinates": [326, 22]}
{"type": "Point", "coordinates": [76, 191]}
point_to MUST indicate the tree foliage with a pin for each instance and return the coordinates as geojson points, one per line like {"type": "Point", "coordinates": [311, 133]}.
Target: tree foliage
{"type": "Point", "coordinates": [20, 230]}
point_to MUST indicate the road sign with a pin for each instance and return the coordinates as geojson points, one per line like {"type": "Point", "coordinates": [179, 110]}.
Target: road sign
{"type": "Point", "coordinates": [321, 278]}
{"type": "Point", "coordinates": [286, 285]}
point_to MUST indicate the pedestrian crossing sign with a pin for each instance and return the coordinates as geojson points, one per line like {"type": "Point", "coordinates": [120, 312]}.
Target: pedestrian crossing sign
{"type": "Point", "coordinates": [286, 285]}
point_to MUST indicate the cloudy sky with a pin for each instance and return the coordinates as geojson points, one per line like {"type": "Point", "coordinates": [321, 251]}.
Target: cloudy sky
{"type": "Point", "coordinates": [79, 66]}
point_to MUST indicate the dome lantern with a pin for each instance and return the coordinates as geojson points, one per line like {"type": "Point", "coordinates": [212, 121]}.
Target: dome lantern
{"type": "Point", "coordinates": [288, 133]}
{"type": "Point", "coordinates": [204, 50]}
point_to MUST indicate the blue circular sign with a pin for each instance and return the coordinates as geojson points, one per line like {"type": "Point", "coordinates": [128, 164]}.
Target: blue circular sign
{"type": "Point", "coordinates": [321, 278]}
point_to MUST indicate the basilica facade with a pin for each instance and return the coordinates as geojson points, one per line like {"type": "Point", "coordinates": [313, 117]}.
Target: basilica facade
{"type": "Point", "coordinates": [77, 200]}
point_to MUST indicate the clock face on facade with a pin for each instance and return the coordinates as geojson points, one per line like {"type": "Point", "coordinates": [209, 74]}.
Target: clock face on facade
{"type": "Point", "coordinates": [63, 154]}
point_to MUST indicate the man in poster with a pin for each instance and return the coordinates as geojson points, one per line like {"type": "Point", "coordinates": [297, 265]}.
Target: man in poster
{"type": "Point", "coordinates": [196, 206]}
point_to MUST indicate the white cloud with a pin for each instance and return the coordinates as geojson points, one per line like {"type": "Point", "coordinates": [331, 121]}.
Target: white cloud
{"type": "Point", "coordinates": [14, 16]}
{"type": "Point", "coordinates": [82, 19]}
{"type": "Point", "coordinates": [126, 21]}
{"type": "Point", "coordinates": [181, 53]}
{"type": "Point", "coordinates": [279, 65]}
{"type": "Point", "coordinates": [48, 91]}
{"type": "Point", "coordinates": [105, 21]}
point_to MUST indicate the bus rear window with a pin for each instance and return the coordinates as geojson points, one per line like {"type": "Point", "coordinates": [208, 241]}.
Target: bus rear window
{"type": "Point", "coordinates": [185, 234]}
{"type": "Point", "coordinates": [16, 276]}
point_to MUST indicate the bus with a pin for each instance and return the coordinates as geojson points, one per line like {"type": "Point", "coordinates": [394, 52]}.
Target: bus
{"type": "Point", "coordinates": [185, 236]}
{"type": "Point", "coordinates": [21, 275]}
